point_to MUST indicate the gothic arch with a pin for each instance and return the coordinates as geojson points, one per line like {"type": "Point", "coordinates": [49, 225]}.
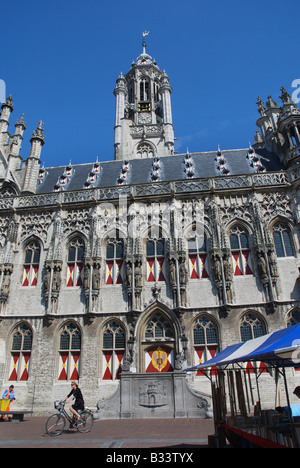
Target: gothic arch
{"type": "Point", "coordinates": [72, 235]}
{"type": "Point", "coordinates": [284, 226]}
{"type": "Point", "coordinates": [145, 148]}
{"type": "Point", "coordinates": [106, 322]}
{"type": "Point", "coordinates": [292, 317]}
{"type": "Point", "coordinates": [209, 318]}
{"type": "Point", "coordinates": [15, 327]}
{"type": "Point", "coordinates": [163, 309]}
{"type": "Point", "coordinates": [159, 231]}
{"type": "Point", "coordinates": [67, 359]}
{"type": "Point", "coordinates": [253, 316]}
{"type": "Point", "coordinates": [112, 338]}
{"type": "Point", "coordinates": [111, 234]}
{"type": "Point", "coordinates": [239, 222]}
{"type": "Point", "coordinates": [188, 230]}
{"type": "Point", "coordinates": [167, 341]}
{"type": "Point", "coordinates": [280, 219]}
{"type": "Point", "coordinates": [61, 326]}
{"type": "Point", "coordinates": [32, 238]}
{"type": "Point", "coordinates": [19, 351]}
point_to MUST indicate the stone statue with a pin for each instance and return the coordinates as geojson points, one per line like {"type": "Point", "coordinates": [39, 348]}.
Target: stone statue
{"type": "Point", "coordinates": [96, 278]}
{"type": "Point", "coordinates": [172, 273]}
{"type": "Point", "coordinates": [138, 275]}
{"type": "Point", "coordinates": [6, 283]}
{"type": "Point", "coordinates": [46, 282]}
{"type": "Point", "coordinates": [262, 266]}
{"type": "Point", "coordinates": [217, 268]}
{"type": "Point", "coordinates": [86, 278]}
{"type": "Point", "coordinates": [228, 272]}
{"type": "Point", "coordinates": [56, 281]}
{"type": "Point", "coordinates": [129, 274]}
{"type": "Point", "coordinates": [182, 271]}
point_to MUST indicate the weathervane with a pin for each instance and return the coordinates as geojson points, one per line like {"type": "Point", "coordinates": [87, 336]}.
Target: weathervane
{"type": "Point", "coordinates": [144, 42]}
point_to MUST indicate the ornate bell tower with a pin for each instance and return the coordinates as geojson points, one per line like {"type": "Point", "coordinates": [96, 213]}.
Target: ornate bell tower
{"type": "Point", "coordinates": [143, 121]}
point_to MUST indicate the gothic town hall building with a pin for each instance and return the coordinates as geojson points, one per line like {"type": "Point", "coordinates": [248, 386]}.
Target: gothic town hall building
{"type": "Point", "coordinates": [152, 262]}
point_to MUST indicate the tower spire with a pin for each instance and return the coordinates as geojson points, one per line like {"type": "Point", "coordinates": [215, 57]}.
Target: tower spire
{"type": "Point", "coordinates": [144, 42]}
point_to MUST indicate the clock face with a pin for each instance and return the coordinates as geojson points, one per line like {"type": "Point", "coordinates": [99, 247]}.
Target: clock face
{"type": "Point", "coordinates": [144, 118]}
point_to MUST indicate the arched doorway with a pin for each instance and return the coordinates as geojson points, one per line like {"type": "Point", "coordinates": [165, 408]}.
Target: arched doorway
{"type": "Point", "coordinates": [158, 343]}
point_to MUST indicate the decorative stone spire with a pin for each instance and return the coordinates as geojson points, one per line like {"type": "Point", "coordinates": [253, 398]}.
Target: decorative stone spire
{"type": "Point", "coordinates": [258, 140]}
{"type": "Point", "coordinates": [289, 107]}
{"type": "Point", "coordinates": [32, 164]}
{"type": "Point", "coordinates": [271, 104]}
{"type": "Point", "coordinates": [37, 141]}
{"type": "Point", "coordinates": [285, 97]}
{"type": "Point", "coordinates": [7, 109]}
{"type": "Point", "coordinates": [14, 158]}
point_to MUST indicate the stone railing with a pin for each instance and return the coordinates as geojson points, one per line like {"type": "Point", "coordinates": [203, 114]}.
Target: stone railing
{"type": "Point", "coordinates": [154, 189]}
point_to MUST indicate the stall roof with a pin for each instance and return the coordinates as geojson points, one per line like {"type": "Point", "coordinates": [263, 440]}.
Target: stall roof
{"type": "Point", "coordinates": [279, 348]}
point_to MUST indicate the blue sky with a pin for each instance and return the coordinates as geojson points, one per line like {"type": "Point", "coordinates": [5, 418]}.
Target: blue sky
{"type": "Point", "coordinates": [60, 61]}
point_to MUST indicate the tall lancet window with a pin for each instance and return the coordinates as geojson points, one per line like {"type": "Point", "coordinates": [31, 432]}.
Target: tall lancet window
{"type": "Point", "coordinates": [75, 262]}
{"type": "Point", "coordinates": [31, 264]}
{"type": "Point", "coordinates": [114, 261]}
{"type": "Point", "coordinates": [20, 354]}
{"type": "Point", "coordinates": [240, 251]}
{"type": "Point", "coordinates": [144, 90]}
{"type": "Point", "coordinates": [155, 253]}
{"type": "Point", "coordinates": [114, 344]}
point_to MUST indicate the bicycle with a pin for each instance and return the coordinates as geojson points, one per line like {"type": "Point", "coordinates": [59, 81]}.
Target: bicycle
{"type": "Point", "coordinates": [57, 422]}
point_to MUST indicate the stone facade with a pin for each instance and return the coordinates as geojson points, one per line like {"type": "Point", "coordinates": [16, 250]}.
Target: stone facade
{"type": "Point", "coordinates": [149, 263]}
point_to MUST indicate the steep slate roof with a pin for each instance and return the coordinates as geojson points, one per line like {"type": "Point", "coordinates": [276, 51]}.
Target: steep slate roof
{"type": "Point", "coordinates": [171, 168]}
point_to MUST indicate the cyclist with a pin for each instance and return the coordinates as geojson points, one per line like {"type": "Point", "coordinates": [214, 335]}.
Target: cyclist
{"type": "Point", "coordinates": [79, 402]}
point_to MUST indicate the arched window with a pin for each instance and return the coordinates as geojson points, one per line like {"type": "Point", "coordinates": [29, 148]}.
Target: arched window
{"type": "Point", "coordinates": [31, 264]}
{"type": "Point", "coordinates": [113, 350]}
{"type": "Point", "coordinates": [251, 327]}
{"type": "Point", "coordinates": [144, 150]}
{"type": "Point", "coordinates": [206, 341]}
{"type": "Point", "coordinates": [131, 92]}
{"type": "Point", "coordinates": [197, 247]}
{"type": "Point", "coordinates": [155, 253]}
{"type": "Point", "coordinates": [145, 90]}
{"type": "Point", "coordinates": [282, 241]}
{"type": "Point", "coordinates": [156, 86]}
{"type": "Point", "coordinates": [76, 252]}
{"type": "Point", "coordinates": [240, 251]}
{"type": "Point", "coordinates": [159, 356]}
{"type": "Point", "coordinates": [159, 328]}
{"type": "Point", "coordinates": [293, 317]}
{"type": "Point", "coordinates": [69, 352]}
{"type": "Point", "coordinates": [114, 261]}
{"type": "Point", "coordinates": [20, 354]}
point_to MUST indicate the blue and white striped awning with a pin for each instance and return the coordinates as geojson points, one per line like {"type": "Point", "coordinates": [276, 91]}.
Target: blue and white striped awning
{"type": "Point", "coordinates": [278, 348]}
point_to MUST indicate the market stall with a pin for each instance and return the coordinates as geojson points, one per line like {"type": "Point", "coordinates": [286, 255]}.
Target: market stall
{"type": "Point", "coordinates": [238, 413]}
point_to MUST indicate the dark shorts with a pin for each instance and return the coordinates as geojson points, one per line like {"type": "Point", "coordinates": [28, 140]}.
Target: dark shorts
{"type": "Point", "coordinates": [78, 406]}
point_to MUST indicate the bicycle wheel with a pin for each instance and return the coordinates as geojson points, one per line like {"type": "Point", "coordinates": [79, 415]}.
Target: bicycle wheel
{"type": "Point", "coordinates": [55, 425]}
{"type": "Point", "coordinates": [86, 422]}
